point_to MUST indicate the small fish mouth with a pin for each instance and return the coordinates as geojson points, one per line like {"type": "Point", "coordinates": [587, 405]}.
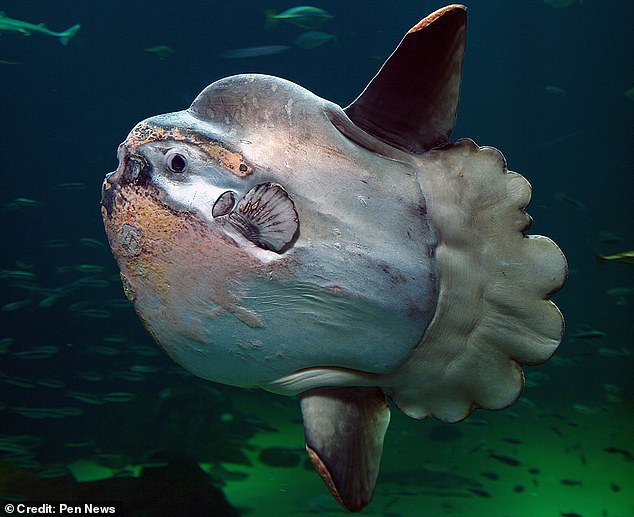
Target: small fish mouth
{"type": "Point", "coordinates": [107, 194]}
{"type": "Point", "coordinates": [133, 169]}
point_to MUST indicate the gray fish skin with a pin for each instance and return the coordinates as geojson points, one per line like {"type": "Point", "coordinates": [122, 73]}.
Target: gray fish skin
{"type": "Point", "coordinates": [264, 311]}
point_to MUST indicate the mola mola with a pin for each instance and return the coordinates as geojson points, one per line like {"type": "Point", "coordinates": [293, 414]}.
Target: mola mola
{"type": "Point", "coordinates": [269, 238]}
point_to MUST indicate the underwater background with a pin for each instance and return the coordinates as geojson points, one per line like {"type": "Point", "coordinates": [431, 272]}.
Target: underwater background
{"type": "Point", "coordinates": [89, 405]}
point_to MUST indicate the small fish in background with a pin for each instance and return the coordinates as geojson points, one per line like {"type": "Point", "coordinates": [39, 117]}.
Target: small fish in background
{"type": "Point", "coordinates": [144, 368]}
{"type": "Point", "coordinates": [570, 200]}
{"type": "Point", "coordinates": [50, 300]}
{"type": "Point", "coordinates": [554, 90]}
{"type": "Point", "coordinates": [50, 383]}
{"type": "Point", "coordinates": [15, 306]}
{"type": "Point", "coordinates": [306, 17]}
{"type": "Point", "coordinates": [507, 460]}
{"type": "Point", "coordinates": [54, 473]}
{"type": "Point", "coordinates": [12, 25]}
{"type": "Point", "coordinates": [142, 350]}
{"type": "Point", "coordinates": [5, 344]}
{"type": "Point", "coordinates": [160, 51]}
{"type": "Point", "coordinates": [37, 353]}
{"type": "Point", "coordinates": [128, 376]}
{"type": "Point", "coordinates": [480, 492]}
{"type": "Point", "coordinates": [21, 202]}
{"type": "Point", "coordinates": [535, 379]}
{"type": "Point", "coordinates": [19, 382]}
{"type": "Point", "coordinates": [247, 52]}
{"type": "Point", "coordinates": [571, 482]}
{"type": "Point", "coordinates": [557, 4]}
{"type": "Point", "coordinates": [583, 409]}
{"type": "Point", "coordinates": [314, 39]}
{"type": "Point", "coordinates": [526, 402]}
{"type": "Point", "coordinates": [38, 413]}
{"type": "Point", "coordinates": [17, 274]}
{"type": "Point", "coordinates": [7, 62]}
{"type": "Point", "coordinates": [624, 257]}
{"type": "Point", "coordinates": [629, 93]}
{"type": "Point", "coordinates": [87, 398]}
{"type": "Point", "coordinates": [119, 396]}
{"type": "Point", "coordinates": [612, 352]}
{"type": "Point", "coordinates": [587, 332]}
{"type": "Point", "coordinates": [620, 294]}
{"type": "Point", "coordinates": [611, 388]}
{"type": "Point", "coordinates": [606, 237]}
{"type": "Point", "coordinates": [612, 393]}
{"type": "Point", "coordinates": [627, 455]}
{"type": "Point", "coordinates": [117, 303]}
{"type": "Point", "coordinates": [78, 444]}
{"type": "Point", "coordinates": [561, 139]}
{"type": "Point", "coordinates": [72, 185]}
{"type": "Point", "coordinates": [89, 281]}
{"type": "Point", "coordinates": [89, 242]}
{"type": "Point", "coordinates": [107, 351]}
{"type": "Point", "coordinates": [11, 444]}
{"type": "Point", "coordinates": [95, 313]}
{"type": "Point", "coordinates": [90, 376]}
{"type": "Point", "coordinates": [24, 264]}
{"type": "Point", "coordinates": [89, 268]}
{"type": "Point", "coordinates": [55, 243]}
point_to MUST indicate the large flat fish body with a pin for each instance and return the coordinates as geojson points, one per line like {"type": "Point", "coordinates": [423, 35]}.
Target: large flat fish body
{"type": "Point", "coordinates": [269, 238]}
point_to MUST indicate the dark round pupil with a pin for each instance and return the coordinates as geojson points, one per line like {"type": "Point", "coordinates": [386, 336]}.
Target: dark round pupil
{"type": "Point", "coordinates": [178, 163]}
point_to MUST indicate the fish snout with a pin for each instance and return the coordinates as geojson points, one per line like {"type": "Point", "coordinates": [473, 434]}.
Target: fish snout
{"type": "Point", "coordinates": [134, 170]}
{"type": "Point", "coordinates": [107, 193]}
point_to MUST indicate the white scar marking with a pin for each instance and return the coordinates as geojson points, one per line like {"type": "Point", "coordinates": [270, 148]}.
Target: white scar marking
{"type": "Point", "coordinates": [195, 194]}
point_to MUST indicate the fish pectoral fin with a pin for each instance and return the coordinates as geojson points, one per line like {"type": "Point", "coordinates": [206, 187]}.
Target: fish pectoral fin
{"type": "Point", "coordinates": [344, 429]}
{"type": "Point", "coordinates": [267, 217]}
{"type": "Point", "coordinates": [411, 103]}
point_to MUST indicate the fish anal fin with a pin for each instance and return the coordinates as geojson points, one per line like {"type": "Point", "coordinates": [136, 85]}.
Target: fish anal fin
{"type": "Point", "coordinates": [344, 430]}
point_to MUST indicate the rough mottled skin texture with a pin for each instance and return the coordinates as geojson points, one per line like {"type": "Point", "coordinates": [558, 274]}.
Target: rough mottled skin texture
{"type": "Point", "coordinates": [354, 289]}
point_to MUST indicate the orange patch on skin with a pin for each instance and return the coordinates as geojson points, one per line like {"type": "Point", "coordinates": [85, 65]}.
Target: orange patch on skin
{"type": "Point", "coordinates": [157, 248]}
{"type": "Point", "coordinates": [233, 162]}
{"type": "Point", "coordinates": [144, 133]}
{"type": "Point", "coordinates": [229, 160]}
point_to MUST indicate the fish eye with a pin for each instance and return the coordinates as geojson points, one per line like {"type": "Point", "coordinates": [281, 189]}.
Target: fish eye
{"type": "Point", "coordinates": [176, 162]}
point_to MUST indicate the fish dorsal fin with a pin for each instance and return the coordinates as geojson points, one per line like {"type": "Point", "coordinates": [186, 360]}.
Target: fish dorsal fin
{"type": "Point", "coordinates": [411, 103]}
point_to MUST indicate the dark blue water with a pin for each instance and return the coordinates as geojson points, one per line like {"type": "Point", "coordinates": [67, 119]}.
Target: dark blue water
{"type": "Point", "coordinates": [544, 85]}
